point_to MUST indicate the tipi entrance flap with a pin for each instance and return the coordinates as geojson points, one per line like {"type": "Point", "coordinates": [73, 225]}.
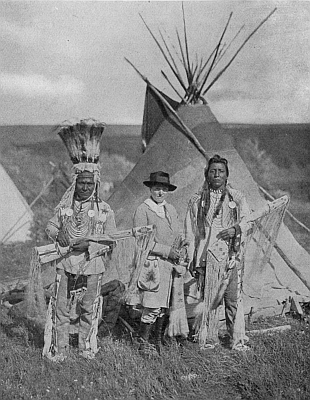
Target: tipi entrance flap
{"type": "Point", "coordinates": [154, 114]}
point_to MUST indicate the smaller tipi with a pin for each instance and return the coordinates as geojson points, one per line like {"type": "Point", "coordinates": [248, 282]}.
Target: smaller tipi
{"type": "Point", "coordinates": [15, 214]}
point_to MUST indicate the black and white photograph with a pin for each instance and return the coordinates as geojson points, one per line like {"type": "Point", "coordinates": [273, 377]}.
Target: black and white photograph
{"type": "Point", "coordinates": [155, 200]}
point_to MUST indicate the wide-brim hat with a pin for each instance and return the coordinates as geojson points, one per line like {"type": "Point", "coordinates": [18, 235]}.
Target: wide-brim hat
{"type": "Point", "coordinates": [160, 178]}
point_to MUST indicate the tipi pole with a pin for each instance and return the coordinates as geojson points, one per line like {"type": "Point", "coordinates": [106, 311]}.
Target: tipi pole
{"type": "Point", "coordinates": [175, 71]}
{"type": "Point", "coordinates": [215, 57]}
{"type": "Point", "coordinates": [168, 80]}
{"type": "Point", "coordinates": [11, 231]}
{"type": "Point", "coordinates": [186, 131]}
{"type": "Point", "coordinates": [237, 52]}
{"type": "Point", "coordinates": [186, 42]}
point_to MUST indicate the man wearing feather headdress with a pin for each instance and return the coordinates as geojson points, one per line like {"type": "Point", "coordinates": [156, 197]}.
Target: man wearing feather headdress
{"type": "Point", "coordinates": [216, 226]}
{"type": "Point", "coordinates": [79, 217]}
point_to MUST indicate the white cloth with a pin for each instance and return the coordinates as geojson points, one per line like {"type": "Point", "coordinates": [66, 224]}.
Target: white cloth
{"type": "Point", "coordinates": [158, 208]}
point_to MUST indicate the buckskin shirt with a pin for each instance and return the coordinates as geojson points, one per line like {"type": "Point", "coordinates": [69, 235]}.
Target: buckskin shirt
{"type": "Point", "coordinates": [84, 219]}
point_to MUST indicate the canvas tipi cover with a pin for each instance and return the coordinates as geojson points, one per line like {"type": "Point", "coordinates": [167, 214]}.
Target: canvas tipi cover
{"type": "Point", "coordinates": [287, 273]}
{"type": "Point", "coordinates": [15, 214]}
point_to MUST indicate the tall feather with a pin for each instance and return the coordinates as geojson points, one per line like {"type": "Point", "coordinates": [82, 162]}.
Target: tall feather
{"type": "Point", "coordinates": [82, 139]}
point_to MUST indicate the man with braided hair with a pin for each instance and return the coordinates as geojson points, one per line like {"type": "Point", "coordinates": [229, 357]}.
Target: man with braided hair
{"type": "Point", "coordinates": [79, 218]}
{"type": "Point", "coordinates": [216, 226]}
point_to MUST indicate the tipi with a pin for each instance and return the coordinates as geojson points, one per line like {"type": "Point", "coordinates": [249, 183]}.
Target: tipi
{"type": "Point", "coordinates": [15, 215]}
{"type": "Point", "coordinates": [178, 138]}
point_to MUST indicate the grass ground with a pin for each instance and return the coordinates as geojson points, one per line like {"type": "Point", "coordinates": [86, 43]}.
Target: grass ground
{"type": "Point", "coordinates": [276, 367]}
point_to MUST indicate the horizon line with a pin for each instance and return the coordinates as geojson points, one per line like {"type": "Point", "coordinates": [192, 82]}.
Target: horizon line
{"type": "Point", "coordinates": [140, 124]}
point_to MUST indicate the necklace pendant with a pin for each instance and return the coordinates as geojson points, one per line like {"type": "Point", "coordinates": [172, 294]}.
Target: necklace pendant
{"type": "Point", "coordinates": [91, 213]}
{"type": "Point", "coordinates": [232, 205]}
{"type": "Point", "coordinates": [69, 212]}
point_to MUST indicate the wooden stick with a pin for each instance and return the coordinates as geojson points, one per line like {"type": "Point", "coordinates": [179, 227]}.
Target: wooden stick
{"type": "Point", "coordinates": [215, 55]}
{"type": "Point", "coordinates": [185, 39]}
{"type": "Point", "coordinates": [172, 59]}
{"type": "Point", "coordinates": [11, 231]}
{"type": "Point", "coordinates": [183, 58]}
{"type": "Point", "coordinates": [205, 65]}
{"type": "Point", "coordinates": [188, 133]}
{"type": "Point", "coordinates": [229, 45]}
{"type": "Point", "coordinates": [165, 56]}
{"type": "Point", "coordinates": [271, 330]}
{"type": "Point", "coordinates": [237, 52]}
{"type": "Point", "coordinates": [175, 90]}
{"type": "Point", "coordinates": [127, 326]}
{"type": "Point", "coordinates": [174, 48]}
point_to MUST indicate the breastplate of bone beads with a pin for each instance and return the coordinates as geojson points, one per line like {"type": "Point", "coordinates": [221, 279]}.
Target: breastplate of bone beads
{"type": "Point", "coordinates": [79, 219]}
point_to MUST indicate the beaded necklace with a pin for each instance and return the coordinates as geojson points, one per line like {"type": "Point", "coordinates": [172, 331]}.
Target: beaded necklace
{"type": "Point", "coordinates": [204, 205]}
{"type": "Point", "coordinates": [79, 220]}
{"type": "Point", "coordinates": [220, 203]}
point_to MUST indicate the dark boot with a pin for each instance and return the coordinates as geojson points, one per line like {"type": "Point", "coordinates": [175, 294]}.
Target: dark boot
{"type": "Point", "coordinates": [145, 346]}
{"type": "Point", "coordinates": [159, 332]}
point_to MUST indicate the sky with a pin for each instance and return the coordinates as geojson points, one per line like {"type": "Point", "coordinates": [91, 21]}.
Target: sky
{"type": "Point", "coordinates": [64, 60]}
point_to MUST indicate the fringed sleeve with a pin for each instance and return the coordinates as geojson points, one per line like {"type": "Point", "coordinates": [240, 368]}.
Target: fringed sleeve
{"type": "Point", "coordinates": [190, 227]}
{"type": "Point", "coordinates": [53, 226]}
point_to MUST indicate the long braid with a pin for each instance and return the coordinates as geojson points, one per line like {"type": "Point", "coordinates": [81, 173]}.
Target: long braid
{"type": "Point", "coordinates": [220, 204]}
{"type": "Point", "coordinates": [204, 202]}
{"type": "Point", "coordinates": [204, 206]}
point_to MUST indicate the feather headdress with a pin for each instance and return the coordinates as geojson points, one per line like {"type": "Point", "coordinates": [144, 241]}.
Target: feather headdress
{"type": "Point", "coordinates": [82, 139]}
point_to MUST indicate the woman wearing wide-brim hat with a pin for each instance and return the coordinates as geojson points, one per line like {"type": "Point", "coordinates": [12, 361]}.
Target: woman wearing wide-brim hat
{"type": "Point", "coordinates": [162, 266]}
{"type": "Point", "coordinates": [160, 178]}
